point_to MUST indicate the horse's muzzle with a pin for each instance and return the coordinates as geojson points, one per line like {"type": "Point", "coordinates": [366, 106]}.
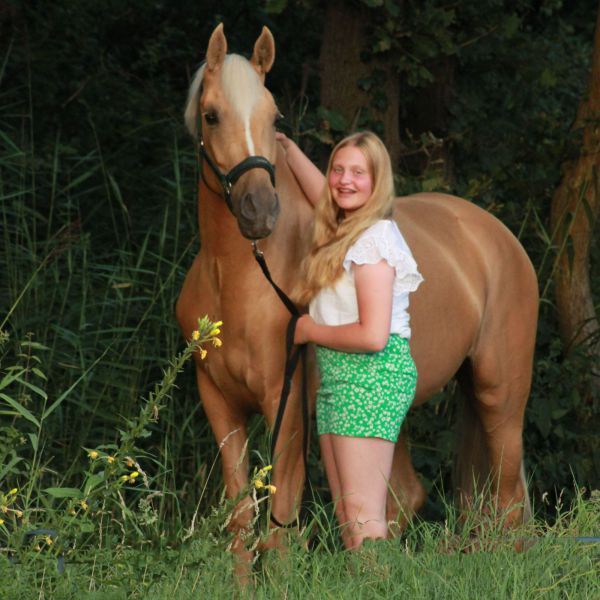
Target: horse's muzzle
{"type": "Point", "coordinates": [258, 212]}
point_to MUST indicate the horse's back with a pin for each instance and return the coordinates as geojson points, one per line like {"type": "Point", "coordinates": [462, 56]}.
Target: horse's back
{"type": "Point", "coordinates": [478, 279]}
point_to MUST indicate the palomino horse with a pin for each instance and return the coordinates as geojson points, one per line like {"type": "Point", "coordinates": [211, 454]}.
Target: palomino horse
{"type": "Point", "coordinates": [474, 316]}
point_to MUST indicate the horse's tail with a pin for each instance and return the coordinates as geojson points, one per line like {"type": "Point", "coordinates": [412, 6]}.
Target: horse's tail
{"type": "Point", "coordinates": [471, 469]}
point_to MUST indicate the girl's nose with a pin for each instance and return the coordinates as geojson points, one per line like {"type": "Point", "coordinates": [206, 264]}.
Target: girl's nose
{"type": "Point", "coordinates": [345, 177]}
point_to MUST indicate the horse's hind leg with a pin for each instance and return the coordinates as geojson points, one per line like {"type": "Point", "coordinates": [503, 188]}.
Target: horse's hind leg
{"type": "Point", "coordinates": [406, 493]}
{"type": "Point", "coordinates": [499, 387]}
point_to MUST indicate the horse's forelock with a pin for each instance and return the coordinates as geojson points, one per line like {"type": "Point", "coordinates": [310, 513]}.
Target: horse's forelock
{"type": "Point", "coordinates": [241, 85]}
{"type": "Point", "coordinates": [191, 107]}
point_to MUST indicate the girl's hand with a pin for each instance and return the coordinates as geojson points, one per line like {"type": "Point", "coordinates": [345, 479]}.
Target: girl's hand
{"type": "Point", "coordinates": [284, 140]}
{"type": "Point", "coordinates": [303, 326]}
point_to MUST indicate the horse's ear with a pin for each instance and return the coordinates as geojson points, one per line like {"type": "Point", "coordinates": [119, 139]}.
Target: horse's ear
{"type": "Point", "coordinates": [217, 48]}
{"type": "Point", "coordinates": [263, 56]}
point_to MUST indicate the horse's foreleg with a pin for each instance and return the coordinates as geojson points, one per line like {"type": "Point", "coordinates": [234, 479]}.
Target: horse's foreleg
{"type": "Point", "coordinates": [229, 429]}
{"type": "Point", "coordinates": [406, 493]}
{"type": "Point", "coordinates": [288, 466]}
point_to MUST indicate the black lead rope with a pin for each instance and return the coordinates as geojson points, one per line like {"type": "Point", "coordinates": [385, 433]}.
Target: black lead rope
{"type": "Point", "coordinates": [292, 355]}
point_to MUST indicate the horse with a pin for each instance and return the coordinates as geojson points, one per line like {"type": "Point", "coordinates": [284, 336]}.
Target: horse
{"type": "Point", "coordinates": [474, 317]}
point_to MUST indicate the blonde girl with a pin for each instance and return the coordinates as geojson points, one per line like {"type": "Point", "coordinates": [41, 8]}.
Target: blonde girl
{"type": "Point", "coordinates": [356, 280]}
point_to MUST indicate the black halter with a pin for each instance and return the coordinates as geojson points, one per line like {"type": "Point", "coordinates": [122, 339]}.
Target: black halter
{"type": "Point", "coordinates": [227, 180]}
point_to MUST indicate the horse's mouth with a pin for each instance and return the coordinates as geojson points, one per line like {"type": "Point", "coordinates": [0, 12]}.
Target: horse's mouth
{"type": "Point", "coordinates": [257, 231]}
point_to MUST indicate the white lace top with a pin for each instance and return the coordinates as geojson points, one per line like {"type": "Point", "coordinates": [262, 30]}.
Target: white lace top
{"type": "Point", "coordinates": [337, 304]}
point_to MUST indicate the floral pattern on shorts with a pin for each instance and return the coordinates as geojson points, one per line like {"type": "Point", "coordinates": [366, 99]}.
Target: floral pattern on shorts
{"type": "Point", "coordinates": [366, 394]}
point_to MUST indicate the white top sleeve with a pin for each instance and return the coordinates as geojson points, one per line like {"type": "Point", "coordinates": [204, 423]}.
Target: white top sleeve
{"type": "Point", "coordinates": [383, 240]}
{"type": "Point", "coordinates": [337, 304]}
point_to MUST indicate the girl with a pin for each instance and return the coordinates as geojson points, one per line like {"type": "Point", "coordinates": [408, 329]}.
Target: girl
{"type": "Point", "coordinates": [356, 280]}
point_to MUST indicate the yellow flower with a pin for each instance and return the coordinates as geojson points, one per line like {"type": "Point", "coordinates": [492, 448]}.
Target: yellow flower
{"type": "Point", "coordinates": [218, 324]}
{"type": "Point", "coordinates": [203, 353]}
{"type": "Point", "coordinates": [215, 331]}
{"type": "Point", "coordinates": [13, 492]}
{"type": "Point", "coordinates": [49, 540]}
{"type": "Point", "coordinates": [19, 513]}
{"type": "Point", "coordinates": [110, 460]}
{"type": "Point", "coordinates": [124, 477]}
{"type": "Point", "coordinates": [134, 474]}
{"type": "Point", "coordinates": [1, 521]}
{"type": "Point", "coordinates": [265, 470]}
{"type": "Point", "coordinates": [83, 505]}
{"type": "Point", "coordinates": [258, 484]}
{"type": "Point", "coordinates": [4, 508]}
{"type": "Point", "coordinates": [271, 488]}
{"type": "Point", "coordinates": [217, 342]}
{"type": "Point", "coordinates": [93, 454]}
{"type": "Point", "coordinates": [195, 335]}
{"type": "Point", "coordinates": [72, 512]}
{"type": "Point", "coordinates": [129, 462]}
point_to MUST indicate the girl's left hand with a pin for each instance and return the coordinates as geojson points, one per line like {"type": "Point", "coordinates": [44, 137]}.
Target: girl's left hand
{"type": "Point", "coordinates": [302, 333]}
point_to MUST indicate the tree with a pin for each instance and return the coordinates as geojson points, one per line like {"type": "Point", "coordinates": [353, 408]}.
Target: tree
{"type": "Point", "coordinates": [358, 89]}
{"type": "Point", "coordinates": [574, 214]}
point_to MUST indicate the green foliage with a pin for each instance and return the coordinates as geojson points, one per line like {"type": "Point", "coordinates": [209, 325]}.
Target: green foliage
{"type": "Point", "coordinates": [114, 487]}
{"type": "Point", "coordinates": [98, 222]}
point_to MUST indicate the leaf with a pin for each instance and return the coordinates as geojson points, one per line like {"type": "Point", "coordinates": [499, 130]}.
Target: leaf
{"type": "Point", "coordinates": [33, 438]}
{"type": "Point", "coordinates": [20, 409]}
{"type": "Point", "coordinates": [512, 23]}
{"type": "Point", "coordinates": [39, 373]}
{"type": "Point", "coordinates": [35, 389]}
{"type": "Point", "coordinates": [13, 375]}
{"type": "Point", "coordinates": [8, 468]}
{"type": "Point", "coordinates": [58, 492]}
{"type": "Point", "coordinates": [548, 78]}
{"type": "Point", "coordinates": [275, 7]}
{"type": "Point", "coordinates": [93, 481]}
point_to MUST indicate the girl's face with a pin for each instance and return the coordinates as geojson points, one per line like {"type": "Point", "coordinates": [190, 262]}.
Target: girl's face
{"type": "Point", "coordinates": [350, 179]}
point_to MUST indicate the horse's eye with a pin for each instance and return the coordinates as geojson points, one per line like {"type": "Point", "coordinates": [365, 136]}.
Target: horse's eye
{"type": "Point", "coordinates": [211, 118]}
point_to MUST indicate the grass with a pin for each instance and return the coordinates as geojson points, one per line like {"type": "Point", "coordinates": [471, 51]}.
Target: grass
{"type": "Point", "coordinates": [428, 562]}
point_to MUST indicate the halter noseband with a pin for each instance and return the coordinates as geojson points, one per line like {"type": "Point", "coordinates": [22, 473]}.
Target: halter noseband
{"type": "Point", "coordinates": [228, 180]}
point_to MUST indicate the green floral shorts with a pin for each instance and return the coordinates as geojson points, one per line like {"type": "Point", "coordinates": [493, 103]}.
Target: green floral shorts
{"type": "Point", "coordinates": [366, 394]}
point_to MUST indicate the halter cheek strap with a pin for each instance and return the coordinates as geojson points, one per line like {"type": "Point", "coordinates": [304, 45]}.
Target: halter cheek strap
{"type": "Point", "coordinates": [227, 180]}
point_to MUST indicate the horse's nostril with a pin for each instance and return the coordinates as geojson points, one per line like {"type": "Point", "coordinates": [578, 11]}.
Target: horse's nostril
{"type": "Point", "coordinates": [248, 206]}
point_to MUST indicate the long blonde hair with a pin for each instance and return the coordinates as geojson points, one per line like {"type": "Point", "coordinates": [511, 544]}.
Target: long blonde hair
{"type": "Point", "coordinates": [333, 233]}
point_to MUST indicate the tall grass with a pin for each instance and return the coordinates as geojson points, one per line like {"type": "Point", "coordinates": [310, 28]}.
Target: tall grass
{"type": "Point", "coordinates": [95, 288]}
{"type": "Point", "coordinates": [430, 561]}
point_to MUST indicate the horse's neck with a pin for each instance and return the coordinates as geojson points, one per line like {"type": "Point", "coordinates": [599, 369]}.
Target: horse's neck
{"type": "Point", "coordinates": [219, 232]}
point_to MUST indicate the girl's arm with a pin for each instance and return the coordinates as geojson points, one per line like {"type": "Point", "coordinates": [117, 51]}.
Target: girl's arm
{"type": "Point", "coordinates": [309, 177]}
{"type": "Point", "coordinates": [371, 334]}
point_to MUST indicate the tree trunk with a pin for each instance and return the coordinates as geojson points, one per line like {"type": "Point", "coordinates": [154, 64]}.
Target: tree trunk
{"type": "Point", "coordinates": [341, 68]}
{"type": "Point", "coordinates": [574, 213]}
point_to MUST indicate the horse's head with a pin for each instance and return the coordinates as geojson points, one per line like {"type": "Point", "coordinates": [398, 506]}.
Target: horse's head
{"type": "Point", "coordinates": [232, 115]}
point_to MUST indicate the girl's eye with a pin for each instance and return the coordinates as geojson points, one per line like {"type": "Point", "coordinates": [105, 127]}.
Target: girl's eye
{"type": "Point", "coordinates": [358, 173]}
{"type": "Point", "coordinates": [338, 170]}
